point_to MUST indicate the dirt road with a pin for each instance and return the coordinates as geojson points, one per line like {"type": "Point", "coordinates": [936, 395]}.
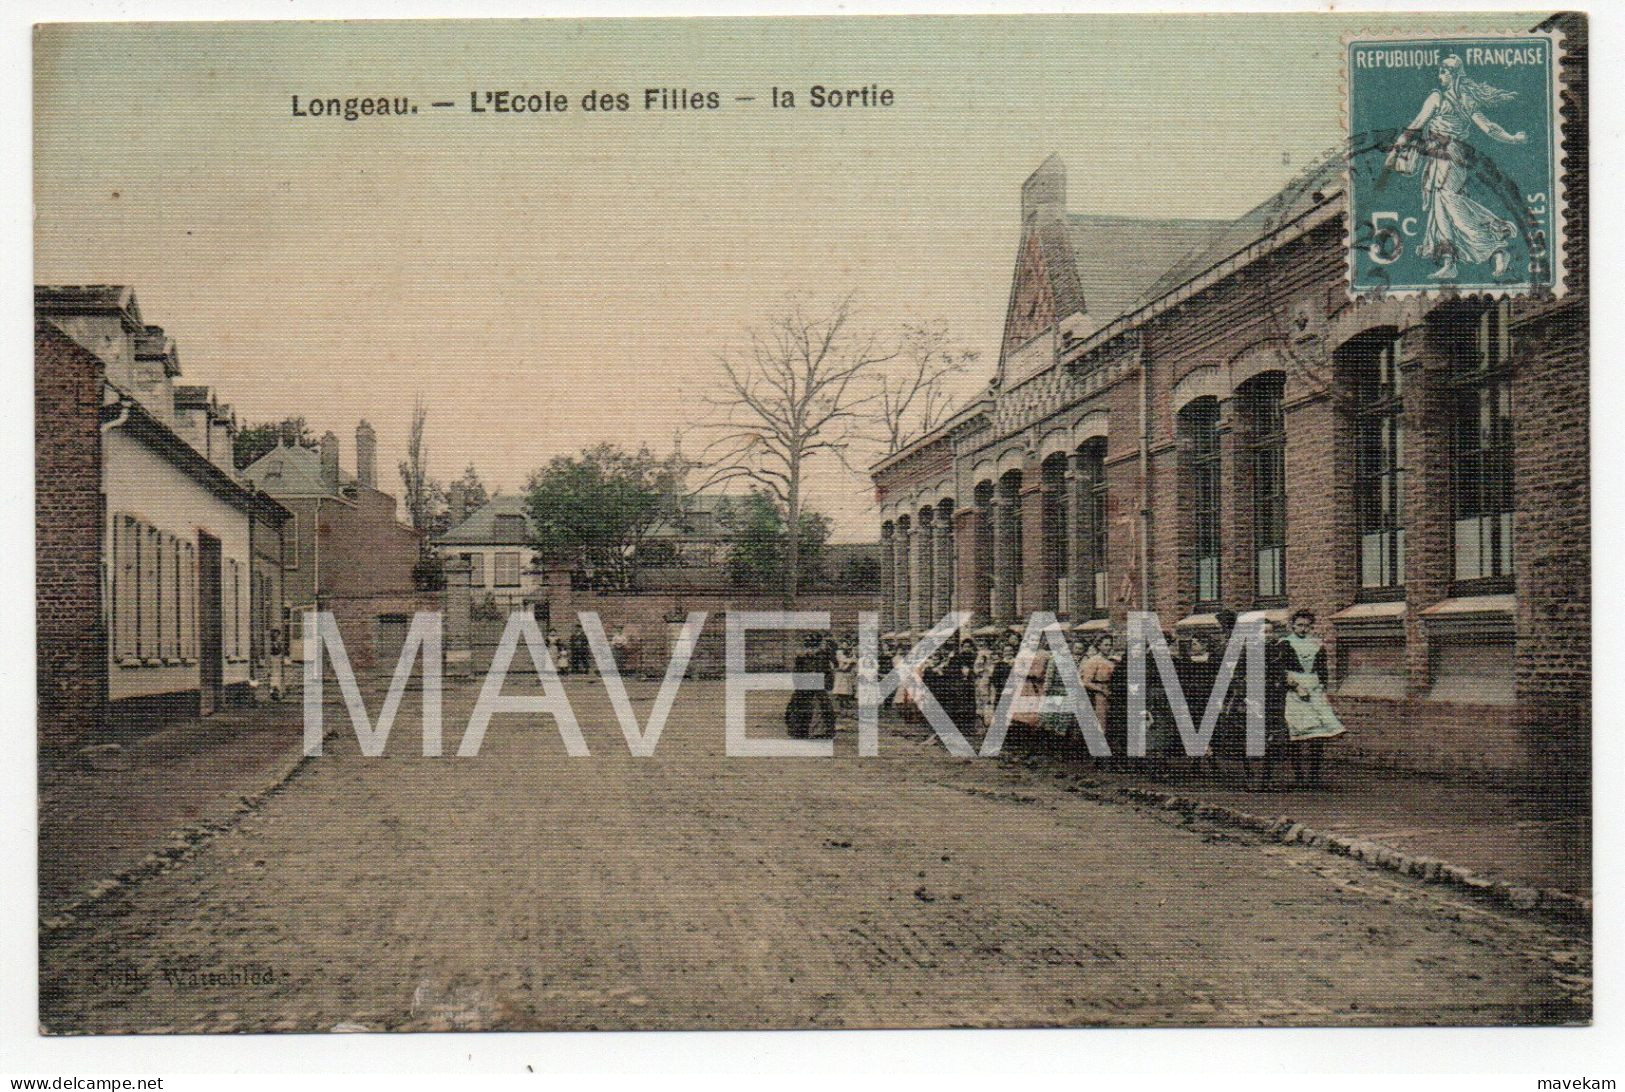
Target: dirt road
{"type": "Point", "coordinates": [524, 889]}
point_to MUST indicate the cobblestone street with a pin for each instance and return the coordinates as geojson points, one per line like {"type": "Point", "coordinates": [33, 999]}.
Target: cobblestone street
{"type": "Point", "coordinates": [523, 889]}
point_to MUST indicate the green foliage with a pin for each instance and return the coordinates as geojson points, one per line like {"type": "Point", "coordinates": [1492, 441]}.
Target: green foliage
{"type": "Point", "coordinates": [757, 553]}
{"type": "Point", "coordinates": [593, 510]}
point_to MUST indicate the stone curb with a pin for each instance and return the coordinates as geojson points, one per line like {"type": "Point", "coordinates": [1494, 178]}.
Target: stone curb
{"type": "Point", "coordinates": [1564, 905]}
{"type": "Point", "coordinates": [177, 846]}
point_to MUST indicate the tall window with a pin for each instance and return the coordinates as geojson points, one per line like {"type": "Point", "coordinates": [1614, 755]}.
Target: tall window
{"type": "Point", "coordinates": [1010, 493]}
{"type": "Point", "coordinates": [1481, 462]}
{"type": "Point", "coordinates": [232, 609]}
{"type": "Point", "coordinates": [147, 585]}
{"type": "Point", "coordinates": [507, 569]}
{"type": "Point", "coordinates": [290, 543]}
{"type": "Point", "coordinates": [1199, 424]}
{"type": "Point", "coordinates": [1054, 516]}
{"type": "Point", "coordinates": [1092, 507]}
{"type": "Point", "coordinates": [476, 570]}
{"type": "Point", "coordinates": [174, 579]}
{"type": "Point", "coordinates": [984, 547]}
{"type": "Point", "coordinates": [1379, 461]}
{"type": "Point", "coordinates": [153, 597]}
{"type": "Point", "coordinates": [189, 601]}
{"type": "Point", "coordinates": [126, 585]}
{"type": "Point", "coordinates": [1266, 457]}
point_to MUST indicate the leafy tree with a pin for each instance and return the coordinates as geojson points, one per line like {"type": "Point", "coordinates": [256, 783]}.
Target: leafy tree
{"type": "Point", "coordinates": [254, 442]}
{"type": "Point", "coordinates": [595, 509]}
{"type": "Point", "coordinates": [759, 546]}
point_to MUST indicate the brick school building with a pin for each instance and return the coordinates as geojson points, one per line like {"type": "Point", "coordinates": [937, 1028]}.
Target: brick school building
{"type": "Point", "coordinates": [1191, 414]}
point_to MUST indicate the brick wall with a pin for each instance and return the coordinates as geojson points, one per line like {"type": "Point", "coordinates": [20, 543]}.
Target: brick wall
{"type": "Point", "coordinates": [357, 619]}
{"type": "Point", "coordinates": [1292, 303]}
{"type": "Point", "coordinates": [1037, 581]}
{"type": "Point", "coordinates": [364, 550]}
{"type": "Point", "coordinates": [1553, 528]}
{"type": "Point", "coordinates": [72, 661]}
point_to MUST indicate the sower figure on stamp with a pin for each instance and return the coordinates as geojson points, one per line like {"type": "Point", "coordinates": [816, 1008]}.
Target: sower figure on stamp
{"type": "Point", "coordinates": [1458, 228]}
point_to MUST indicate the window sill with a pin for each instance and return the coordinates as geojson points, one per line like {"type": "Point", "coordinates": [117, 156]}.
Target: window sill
{"type": "Point", "coordinates": [1372, 620]}
{"type": "Point", "coordinates": [1383, 687]}
{"type": "Point", "coordinates": [1485, 616]}
{"type": "Point", "coordinates": [1469, 690]}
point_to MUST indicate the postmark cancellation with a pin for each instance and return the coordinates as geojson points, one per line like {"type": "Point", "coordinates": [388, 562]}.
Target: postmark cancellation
{"type": "Point", "coordinates": [1454, 164]}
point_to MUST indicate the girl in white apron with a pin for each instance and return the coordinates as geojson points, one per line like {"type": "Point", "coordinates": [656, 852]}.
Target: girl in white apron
{"type": "Point", "coordinates": [1307, 711]}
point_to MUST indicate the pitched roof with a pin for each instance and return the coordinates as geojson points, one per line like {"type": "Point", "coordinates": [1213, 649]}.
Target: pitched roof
{"type": "Point", "coordinates": [289, 472]}
{"type": "Point", "coordinates": [76, 299]}
{"type": "Point", "coordinates": [1320, 180]}
{"type": "Point", "coordinates": [486, 527]}
{"type": "Point", "coordinates": [1118, 258]}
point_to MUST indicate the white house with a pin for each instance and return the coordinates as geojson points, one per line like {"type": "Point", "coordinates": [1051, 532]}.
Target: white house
{"type": "Point", "coordinates": [191, 591]}
{"type": "Point", "coordinates": [498, 541]}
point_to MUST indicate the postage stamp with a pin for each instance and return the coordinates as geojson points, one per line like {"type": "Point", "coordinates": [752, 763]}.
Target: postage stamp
{"type": "Point", "coordinates": [1454, 157]}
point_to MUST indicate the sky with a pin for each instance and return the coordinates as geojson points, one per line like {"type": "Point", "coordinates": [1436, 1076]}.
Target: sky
{"type": "Point", "coordinates": [545, 282]}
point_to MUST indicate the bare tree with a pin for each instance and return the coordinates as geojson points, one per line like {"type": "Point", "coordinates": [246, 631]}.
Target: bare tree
{"type": "Point", "coordinates": [916, 393]}
{"type": "Point", "coordinates": [419, 490]}
{"type": "Point", "coordinates": [800, 386]}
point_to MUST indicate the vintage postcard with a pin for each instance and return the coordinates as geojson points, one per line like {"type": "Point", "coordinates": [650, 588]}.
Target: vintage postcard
{"type": "Point", "coordinates": [811, 523]}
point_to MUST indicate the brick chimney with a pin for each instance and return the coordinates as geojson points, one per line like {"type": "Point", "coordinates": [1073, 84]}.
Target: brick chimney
{"type": "Point", "coordinates": [366, 455]}
{"type": "Point", "coordinates": [1043, 195]}
{"type": "Point", "coordinates": [222, 439]}
{"type": "Point", "coordinates": [330, 462]}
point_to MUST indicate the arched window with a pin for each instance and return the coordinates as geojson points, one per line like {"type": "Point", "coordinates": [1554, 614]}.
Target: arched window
{"type": "Point", "coordinates": [1260, 401]}
{"type": "Point", "coordinates": [983, 499]}
{"type": "Point", "coordinates": [1092, 508]}
{"type": "Point", "coordinates": [1375, 378]}
{"type": "Point", "coordinates": [1481, 449]}
{"type": "Point", "coordinates": [1053, 497]}
{"type": "Point", "coordinates": [1199, 431]}
{"type": "Point", "coordinates": [1010, 493]}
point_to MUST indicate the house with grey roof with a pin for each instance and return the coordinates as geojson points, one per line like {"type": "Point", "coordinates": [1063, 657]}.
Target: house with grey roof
{"type": "Point", "coordinates": [498, 540]}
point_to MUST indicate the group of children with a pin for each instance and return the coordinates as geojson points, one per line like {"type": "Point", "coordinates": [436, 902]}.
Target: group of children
{"type": "Point", "coordinates": [968, 678]}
